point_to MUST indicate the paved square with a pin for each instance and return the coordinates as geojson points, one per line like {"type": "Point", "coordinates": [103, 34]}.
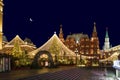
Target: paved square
{"type": "Point", "coordinates": [76, 74]}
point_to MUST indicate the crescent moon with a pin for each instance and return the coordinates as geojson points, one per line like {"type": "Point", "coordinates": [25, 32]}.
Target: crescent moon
{"type": "Point", "coordinates": [31, 19]}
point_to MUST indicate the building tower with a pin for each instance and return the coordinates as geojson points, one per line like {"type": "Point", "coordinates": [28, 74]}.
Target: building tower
{"type": "Point", "coordinates": [94, 41]}
{"type": "Point", "coordinates": [1, 22]}
{"type": "Point", "coordinates": [94, 34]}
{"type": "Point", "coordinates": [106, 43]}
{"type": "Point", "coordinates": [61, 34]}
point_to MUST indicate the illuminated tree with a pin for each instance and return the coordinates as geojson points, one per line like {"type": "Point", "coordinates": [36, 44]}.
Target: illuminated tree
{"type": "Point", "coordinates": [55, 49]}
{"type": "Point", "coordinates": [24, 60]}
{"type": "Point", "coordinates": [16, 52]}
{"type": "Point", "coordinates": [19, 55]}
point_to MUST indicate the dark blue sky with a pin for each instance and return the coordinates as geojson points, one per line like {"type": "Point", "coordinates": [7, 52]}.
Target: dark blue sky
{"type": "Point", "coordinates": [75, 16]}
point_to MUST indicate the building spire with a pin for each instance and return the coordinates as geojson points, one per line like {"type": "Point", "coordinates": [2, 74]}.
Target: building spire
{"type": "Point", "coordinates": [94, 30]}
{"type": "Point", "coordinates": [107, 42]}
{"type": "Point", "coordinates": [106, 36]}
{"type": "Point", "coordinates": [94, 33]}
{"type": "Point", "coordinates": [61, 31]}
{"type": "Point", "coordinates": [61, 34]}
{"type": "Point", "coordinates": [94, 41]}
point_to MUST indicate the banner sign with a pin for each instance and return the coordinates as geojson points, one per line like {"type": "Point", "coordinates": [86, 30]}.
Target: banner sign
{"type": "Point", "coordinates": [116, 64]}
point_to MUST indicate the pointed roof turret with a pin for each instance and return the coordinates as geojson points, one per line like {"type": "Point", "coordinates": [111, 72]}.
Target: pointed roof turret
{"type": "Point", "coordinates": [94, 33]}
{"type": "Point", "coordinates": [61, 34]}
{"type": "Point", "coordinates": [107, 42]}
{"type": "Point", "coordinates": [61, 31]}
{"type": "Point", "coordinates": [106, 36]}
{"type": "Point", "coordinates": [94, 30]}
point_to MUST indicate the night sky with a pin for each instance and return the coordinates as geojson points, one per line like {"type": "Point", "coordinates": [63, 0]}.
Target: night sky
{"type": "Point", "coordinates": [75, 16]}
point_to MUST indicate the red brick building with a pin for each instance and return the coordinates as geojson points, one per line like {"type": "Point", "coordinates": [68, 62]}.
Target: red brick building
{"type": "Point", "coordinates": [86, 46]}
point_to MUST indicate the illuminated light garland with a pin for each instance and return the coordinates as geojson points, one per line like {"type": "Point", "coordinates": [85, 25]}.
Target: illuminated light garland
{"type": "Point", "coordinates": [49, 43]}
{"type": "Point", "coordinates": [15, 39]}
{"type": "Point", "coordinates": [113, 57]}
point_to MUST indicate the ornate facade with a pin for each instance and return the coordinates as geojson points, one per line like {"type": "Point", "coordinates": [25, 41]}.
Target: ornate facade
{"type": "Point", "coordinates": [86, 46]}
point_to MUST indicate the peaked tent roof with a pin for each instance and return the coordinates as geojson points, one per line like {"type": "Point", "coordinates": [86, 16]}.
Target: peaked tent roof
{"type": "Point", "coordinates": [113, 57]}
{"type": "Point", "coordinates": [18, 39]}
{"type": "Point", "coordinates": [47, 45]}
{"type": "Point", "coordinates": [9, 46]}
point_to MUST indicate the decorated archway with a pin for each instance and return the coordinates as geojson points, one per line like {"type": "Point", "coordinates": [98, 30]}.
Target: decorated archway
{"type": "Point", "coordinates": [37, 60]}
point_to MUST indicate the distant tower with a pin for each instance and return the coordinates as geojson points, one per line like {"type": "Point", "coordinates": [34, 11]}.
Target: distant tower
{"type": "Point", "coordinates": [94, 34]}
{"type": "Point", "coordinates": [61, 34]}
{"type": "Point", "coordinates": [94, 41]}
{"type": "Point", "coordinates": [1, 22]}
{"type": "Point", "coordinates": [106, 43]}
